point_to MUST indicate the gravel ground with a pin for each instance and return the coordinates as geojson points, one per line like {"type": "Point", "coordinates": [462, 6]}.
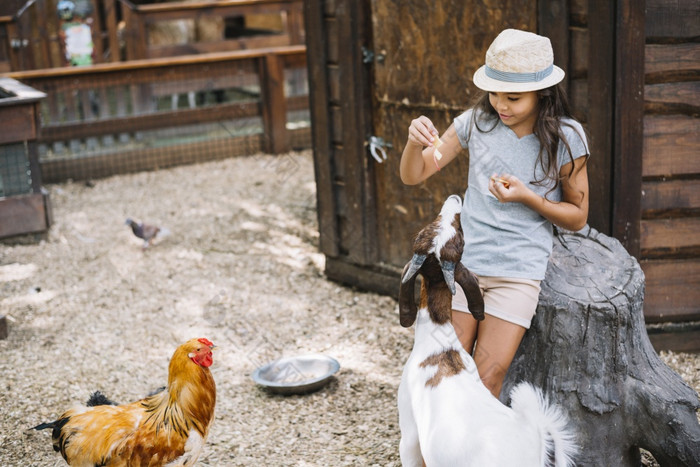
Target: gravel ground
{"type": "Point", "coordinates": [89, 310]}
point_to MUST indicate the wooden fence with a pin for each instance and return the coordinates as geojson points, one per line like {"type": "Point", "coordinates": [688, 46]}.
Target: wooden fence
{"type": "Point", "coordinates": [140, 23]}
{"type": "Point", "coordinates": [148, 114]}
{"type": "Point", "coordinates": [34, 36]}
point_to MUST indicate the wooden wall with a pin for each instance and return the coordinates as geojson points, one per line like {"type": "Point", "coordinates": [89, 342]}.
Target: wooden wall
{"type": "Point", "coordinates": [632, 79]}
{"type": "Point", "coordinates": [374, 66]}
{"type": "Point", "coordinates": [633, 70]}
{"type": "Point", "coordinates": [337, 33]}
{"type": "Point", "coordinates": [428, 61]}
{"type": "Point", "coordinates": [670, 197]}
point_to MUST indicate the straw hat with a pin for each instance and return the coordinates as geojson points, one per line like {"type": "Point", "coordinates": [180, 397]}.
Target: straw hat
{"type": "Point", "coordinates": [518, 61]}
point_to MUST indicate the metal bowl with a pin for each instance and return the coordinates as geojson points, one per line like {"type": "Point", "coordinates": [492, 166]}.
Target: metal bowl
{"type": "Point", "coordinates": [296, 375]}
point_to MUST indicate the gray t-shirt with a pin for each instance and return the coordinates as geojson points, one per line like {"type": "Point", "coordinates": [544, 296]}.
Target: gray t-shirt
{"type": "Point", "coordinates": [508, 239]}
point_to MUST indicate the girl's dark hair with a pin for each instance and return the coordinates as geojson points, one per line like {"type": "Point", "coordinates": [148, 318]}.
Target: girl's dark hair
{"type": "Point", "coordinates": [553, 107]}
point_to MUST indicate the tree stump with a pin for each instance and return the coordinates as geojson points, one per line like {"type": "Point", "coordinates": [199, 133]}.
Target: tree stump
{"type": "Point", "coordinates": [589, 351]}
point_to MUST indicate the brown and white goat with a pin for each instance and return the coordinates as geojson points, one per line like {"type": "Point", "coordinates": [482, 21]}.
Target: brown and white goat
{"type": "Point", "coordinates": [446, 414]}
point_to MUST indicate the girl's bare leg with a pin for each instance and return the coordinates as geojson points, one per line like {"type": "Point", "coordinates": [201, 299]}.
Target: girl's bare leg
{"type": "Point", "coordinates": [496, 341]}
{"type": "Point", "coordinates": [466, 327]}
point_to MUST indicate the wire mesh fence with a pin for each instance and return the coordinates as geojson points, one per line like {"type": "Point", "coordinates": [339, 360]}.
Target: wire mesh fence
{"type": "Point", "coordinates": [150, 114]}
{"type": "Point", "coordinates": [15, 173]}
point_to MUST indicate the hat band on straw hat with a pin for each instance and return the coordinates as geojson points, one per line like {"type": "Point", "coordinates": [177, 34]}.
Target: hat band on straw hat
{"type": "Point", "coordinates": [512, 77]}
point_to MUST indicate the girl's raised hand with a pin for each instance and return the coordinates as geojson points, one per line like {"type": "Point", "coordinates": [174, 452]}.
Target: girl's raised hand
{"type": "Point", "coordinates": [422, 131]}
{"type": "Point", "coordinates": [507, 188]}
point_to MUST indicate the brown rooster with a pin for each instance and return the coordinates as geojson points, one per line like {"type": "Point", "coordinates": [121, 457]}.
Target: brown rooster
{"type": "Point", "coordinates": [169, 427]}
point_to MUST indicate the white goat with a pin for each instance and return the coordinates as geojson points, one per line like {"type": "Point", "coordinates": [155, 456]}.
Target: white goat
{"type": "Point", "coordinates": [446, 414]}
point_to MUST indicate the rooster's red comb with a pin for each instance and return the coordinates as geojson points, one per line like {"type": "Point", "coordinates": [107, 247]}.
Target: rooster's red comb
{"type": "Point", "coordinates": [206, 341]}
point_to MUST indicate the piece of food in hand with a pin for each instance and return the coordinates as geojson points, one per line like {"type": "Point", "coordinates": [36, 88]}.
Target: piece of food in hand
{"type": "Point", "coordinates": [169, 427]}
{"type": "Point", "coordinates": [505, 182]}
{"type": "Point", "coordinates": [437, 143]}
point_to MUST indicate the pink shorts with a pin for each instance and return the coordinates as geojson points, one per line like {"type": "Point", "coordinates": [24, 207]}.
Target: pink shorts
{"type": "Point", "coordinates": [510, 299]}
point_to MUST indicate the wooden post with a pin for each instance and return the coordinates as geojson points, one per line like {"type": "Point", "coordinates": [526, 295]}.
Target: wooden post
{"type": "Point", "coordinates": [601, 86]}
{"type": "Point", "coordinates": [589, 351]}
{"type": "Point", "coordinates": [46, 18]}
{"type": "Point", "coordinates": [553, 22]}
{"type": "Point", "coordinates": [113, 38]}
{"type": "Point", "coordinates": [97, 27]}
{"type": "Point", "coordinates": [135, 35]}
{"type": "Point", "coordinates": [14, 53]}
{"type": "Point", "coordinates": [274, 105]}
{"type": "Point", "coordinates": [295, 24]}
{"type": "Point", "coordinates": [3, 327]}
{"type": "Point", "coordinates": [316, 25]}
{"type": "Point", "coordinates": [629, 126]}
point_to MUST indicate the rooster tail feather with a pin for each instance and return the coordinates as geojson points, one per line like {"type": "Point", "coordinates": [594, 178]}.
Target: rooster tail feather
{"type": "Point", "coordinates": [57, 425]}
{"type": "Point", "coordinates": [59, 440]}
{"type": "Point", "coordinates": [43, 426]}
{"type": "Point", "coordinates": [97, 398]}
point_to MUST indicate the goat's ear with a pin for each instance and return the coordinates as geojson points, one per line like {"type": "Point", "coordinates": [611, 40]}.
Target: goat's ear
{"type": "Point", "coordinates": [407, 302]}
{"type": "Point", "coordinates": [448, 272]}
{"type": "Point", "coordinates": [470, 285]}
{"type": "Point", "coordinates": [410, 270]}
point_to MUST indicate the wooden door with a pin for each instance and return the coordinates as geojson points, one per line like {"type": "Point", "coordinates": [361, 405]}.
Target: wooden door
{"type": "Point", "coordinates": [337, 32]}
{"type": "Point", "coordinates": [425, 55]}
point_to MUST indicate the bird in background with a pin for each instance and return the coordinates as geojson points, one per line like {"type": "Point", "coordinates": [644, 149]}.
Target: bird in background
{"type": "Point", "coordinates": [147, 232]}
{"type": "Point", "coordinates": [168, 427]}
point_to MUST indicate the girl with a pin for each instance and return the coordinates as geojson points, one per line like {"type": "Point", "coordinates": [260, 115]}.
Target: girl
{"type": "Point", "coordinates": [527, 171]}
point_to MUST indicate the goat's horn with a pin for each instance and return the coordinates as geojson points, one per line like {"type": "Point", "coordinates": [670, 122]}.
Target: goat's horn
{"type": "Point", "coordinates": [413, 267]}
{"type": "Point", "coordinates": [407, 301]}
{"type": "Point", "coordinates": [470, 285]}
{"type": "Point", "coordinates": [448, 272]}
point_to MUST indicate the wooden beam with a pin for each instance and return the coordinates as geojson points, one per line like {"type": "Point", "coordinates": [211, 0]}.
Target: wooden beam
{"type": "Point", "coordinates": [153, 158]}
{"type": "Point", "coordinates": [196, 5]}
{"type": "Point", "coordinates": [22, 214]}
{"type": "Point", "coordinates": [111, 20]}
{"type": "Point", "coordinates": [34, 168]}
{"type": "Point", "coordinates": [149, 121]}
{"type": "Point", "coordinates": [274, 106]}
{"type": "Point", "coordinates": [553, 22]}
{"type": "Point", "coordinates": [629, 124]}
{"type": "Point", "coordinates": [680, 132]}
{"type": "Point", "coordinates": [192, 48]}
{"type": "Point", "coordinates": [358, 234]}
{"type": "Point", "coordinates": [97, 38]}
{"type": "Point", "coordinates": [43, 35]}
{"type": "Point", "coordinates": [671, 289]}
{"type": "Point", "coordinates": [670, 19]}
{"type": "Point", "coordinates": [314, 21]}
{"type": "Point", "coordinates": [99, 69]}
{"type": "Point", "coordinates": [678, 337]}
{"type": "Point", "coordinates": [13, 33]}
{"type": "Point", "coordinates": [3, 327]}
{"type": "Point", "coordinates": [18, 124]}
{"type": "Point", "coordinates": [601, 88]}
{"type": "Point", "coordinates": [382, 279]}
